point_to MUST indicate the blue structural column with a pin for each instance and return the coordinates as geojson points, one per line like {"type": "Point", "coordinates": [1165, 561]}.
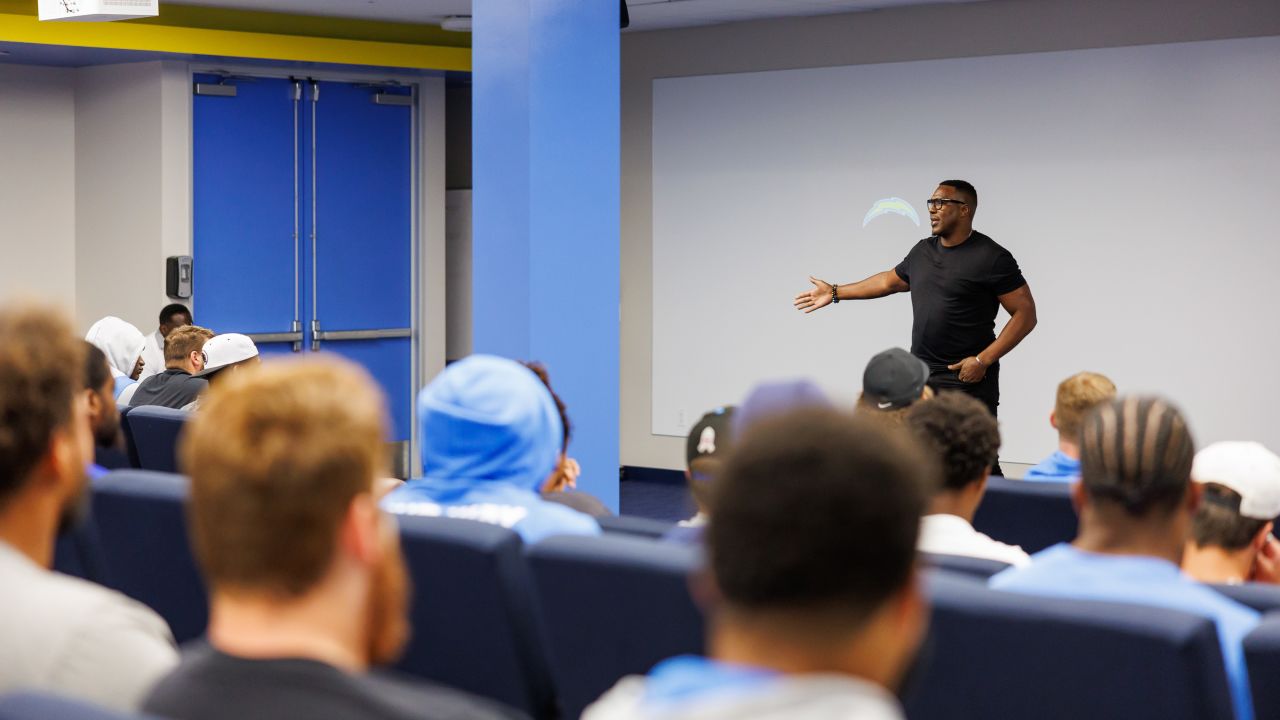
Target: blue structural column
{"type": "Point", "coordinates": [545, 173]}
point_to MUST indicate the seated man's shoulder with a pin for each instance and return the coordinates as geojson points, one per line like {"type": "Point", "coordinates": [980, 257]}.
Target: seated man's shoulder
{"type": "Point", "coordinates": [210, 684]}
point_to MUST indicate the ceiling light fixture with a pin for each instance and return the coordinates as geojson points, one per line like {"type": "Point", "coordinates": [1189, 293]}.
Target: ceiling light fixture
{"type": "Point", "coordinates": [97, 10]}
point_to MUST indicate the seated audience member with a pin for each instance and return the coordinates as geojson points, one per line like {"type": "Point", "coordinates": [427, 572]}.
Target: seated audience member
{"type": "Point", "coordinates": [893, 381]}
{"type": "Point", "coordinates": [308, 589]}
{"type": "Point", "coordinates": [100, 404]}
{"type": "Point", "coordinates": [223, 355]}
{"type": "Point", "coordinates": [776, 398]}
{"type": "Point", "coordinates": [1077, 395]}
{"type": "Point", "coordinates": [561, 486]}
{"type": "Point", "coordinates": [1136, 500]}
{"type": "Point", "coordinates": [173, 316]}
{"type": "Point", "coordinates": [123, 344]}
{"type": "Point", "coordinates": [58, 633]}
{"type": "Point", "coordinates": [817, 609]}
{"type": "Point", "coordinates": [177, 387]}
{"type": "Point", "coordinates": [1231, 540]}
{"type": "Point", "coordinates": [962, 434]}
{"type": "Point", "coordinates": [705, 450]}
{"type": "Point", "coordinates": [490, 436]}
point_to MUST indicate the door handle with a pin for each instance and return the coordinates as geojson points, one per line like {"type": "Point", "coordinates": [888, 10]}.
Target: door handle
{"type": "Point", "coordinates": [335, 335]}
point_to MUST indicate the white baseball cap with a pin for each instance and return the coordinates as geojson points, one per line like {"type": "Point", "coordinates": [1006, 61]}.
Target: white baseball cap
{"type": "Point", "coordinates": [1247, 468]}
{"type": "Point", "coordinates": [226, 349]}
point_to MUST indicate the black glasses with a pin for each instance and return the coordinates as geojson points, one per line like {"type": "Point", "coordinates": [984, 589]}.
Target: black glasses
{"type": "Point", "coordinates": [937, 203]}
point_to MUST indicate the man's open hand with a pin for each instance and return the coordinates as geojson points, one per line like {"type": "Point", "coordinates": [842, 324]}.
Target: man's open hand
{"type": "Point", "coordinates": [818, 297]}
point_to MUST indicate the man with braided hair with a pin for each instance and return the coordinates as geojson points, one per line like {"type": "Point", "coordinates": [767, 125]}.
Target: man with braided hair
{"type": "Point", "coordinates": [1136, 502]}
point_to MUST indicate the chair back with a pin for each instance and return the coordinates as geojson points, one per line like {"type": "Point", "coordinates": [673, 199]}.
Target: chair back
{"type": "Point", "coordinates": [1032, 515]}
{"type": "Point", "coordinates": [141, 524]}
{"type": "Point", "coordinates": [993, 654]}
{"type": "Point", "coordinates": [612, 606]}
{"type": "Point", "coordinates": [472, 615]}
{"type": "Point", "coordinates": [154, 431]}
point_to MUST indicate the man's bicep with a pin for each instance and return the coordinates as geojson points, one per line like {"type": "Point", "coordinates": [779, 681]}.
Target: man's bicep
{"type": "Point", "coordinates": [897, 280]}
{"type": "Point", "coordinates": [1018, 299]}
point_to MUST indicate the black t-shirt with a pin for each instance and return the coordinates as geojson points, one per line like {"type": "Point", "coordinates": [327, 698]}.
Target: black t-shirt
{"type": "Point", "coordinates": [171, 388]}
{"type": "Point", "coordinates": [954, 293]}
{"type": "Point", "coordinates": [211, 685]}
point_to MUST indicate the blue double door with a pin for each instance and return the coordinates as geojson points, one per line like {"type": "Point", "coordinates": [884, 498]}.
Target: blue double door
{"type": "Point", "coordinates": [303, 215]}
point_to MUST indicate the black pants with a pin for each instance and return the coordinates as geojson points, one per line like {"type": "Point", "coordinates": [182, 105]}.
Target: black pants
{"type": "Point", "coordinates": [987, 390]}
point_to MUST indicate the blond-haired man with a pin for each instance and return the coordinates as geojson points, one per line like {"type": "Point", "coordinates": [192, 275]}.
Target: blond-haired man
{"type": "Point", "coordinates": [1077, 395]}
{"type": "Point", "coordinates": [308, 588]}
{"type": "Point", "coordinates": [177, 386]}
{"type": "Point", "coordinates": [58, 633]}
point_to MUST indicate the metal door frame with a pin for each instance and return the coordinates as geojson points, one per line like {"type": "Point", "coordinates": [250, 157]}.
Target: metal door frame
{"type": "Point", "coordinates": [415, 188]}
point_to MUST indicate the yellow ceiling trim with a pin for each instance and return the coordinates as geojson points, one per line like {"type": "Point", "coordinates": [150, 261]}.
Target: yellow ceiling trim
{"type": "Point", "coordinates": [232, 43]}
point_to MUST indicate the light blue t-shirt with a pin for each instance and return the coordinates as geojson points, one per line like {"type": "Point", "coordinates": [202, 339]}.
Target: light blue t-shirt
{"type": "Point", "coordinates": [1058, 467]}
{"type": "Point", "coordinates": [1066, 571]}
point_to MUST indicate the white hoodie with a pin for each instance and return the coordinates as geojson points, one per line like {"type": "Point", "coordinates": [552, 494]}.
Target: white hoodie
{"type": "Point", "coordinates": [120, 341]}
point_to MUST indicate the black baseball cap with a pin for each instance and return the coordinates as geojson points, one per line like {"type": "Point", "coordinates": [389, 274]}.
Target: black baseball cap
{"type": "Point", "coordinates": [894, 379]}
{"type": "Point", "coordinates": [709, 437]}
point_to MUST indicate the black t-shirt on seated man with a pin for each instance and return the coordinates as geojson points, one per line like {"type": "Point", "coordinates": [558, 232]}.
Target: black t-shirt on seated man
{"type": "Point", "coordinates": [211, 685]}
{"type": "Point", "coordinates": [954, 296]}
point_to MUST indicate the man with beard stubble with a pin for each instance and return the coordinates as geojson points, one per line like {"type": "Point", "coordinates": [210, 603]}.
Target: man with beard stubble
{"type": "Point", "coordinates": [58, 633]}
{"type": "Point", "coordinates": [958, 279]}
{"type": "Point", "coordinates": [308, 587]}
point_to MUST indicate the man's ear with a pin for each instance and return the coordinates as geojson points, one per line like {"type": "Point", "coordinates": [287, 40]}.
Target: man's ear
{"type": "Point", "coordinates": [95, 405]}
{"type": "Point", "coordinates": [704, 590]}
{"type": "Point", "coordinates": [1260, 539]}
{"type": "Point", "coordinates": [1195, 493]}
{"type": "Point", "coordinates": [1053, 419]}
{"type": "Point", "coordinates": [1079, 496]}
{"type": "Point", "coordinates": [358, 536]}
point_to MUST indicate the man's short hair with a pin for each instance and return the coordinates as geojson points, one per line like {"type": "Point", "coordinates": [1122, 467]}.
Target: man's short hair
{"type": "Point", "coordinates": [966, 191]}
{"type": "Point", "coordinates": [184, 340]}
{"type": "Point", "coordinates": [1077, 395]}
{"type": "Point", "coordinates": [1217, 525]}
{"type": "Point", "coordinates": [960, 431]}
{"type": "Point", "coordinates": [817, 511]}
{"type": "Point", "coordinates": [96, 370]}
{"type": "Point", "coordinates": [1136, 453]}
{"type": "Point", "coordinates": [41, 369]}
{"type": "Point", "coordinates": [275, 458]}
{"type": "Point", "coordinates": [172, 310]}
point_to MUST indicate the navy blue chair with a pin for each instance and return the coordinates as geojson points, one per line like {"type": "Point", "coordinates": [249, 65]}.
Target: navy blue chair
{"type": "Point", "coordinates": [634, 525]}
{"type": "Point", "coordinates": [1032, 515]}
{"type": "Point", "coordinates": [1262, 656]}
{"type": "Point", "coordinates": [36, 706]}
{"type": "Point", "coordinates": [980, 568]}
{"type": "Point", "coordinates": [994, 654]}
{"type": "Point", "coordinates": [474, 625]}
{"type": "Point", "coordinates": [1262, 597]}
{"type": "Point", "coordinates": [141, 525]}
{"type": "Point", "coordinates": [154, 432]}
{"type": "Point", "coordinates": [612, 606]}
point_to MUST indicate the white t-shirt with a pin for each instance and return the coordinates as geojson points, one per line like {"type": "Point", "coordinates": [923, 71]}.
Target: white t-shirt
{"type": "Point", "coordinates": [793, 697]}
{"type": "Point", "coordinates": [152, 356]}
{"type": "Point", "coordinates": [943, 534]}
{"type": "Point", "coordinates": [68, 636]}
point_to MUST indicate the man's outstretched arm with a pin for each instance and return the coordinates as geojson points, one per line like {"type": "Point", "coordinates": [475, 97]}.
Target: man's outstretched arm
{"type": "Point", "coordinates": [876, 286]}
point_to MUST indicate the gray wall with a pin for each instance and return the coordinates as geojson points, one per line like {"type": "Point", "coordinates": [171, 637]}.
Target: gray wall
{"type": "Point", "coordinates": [37, 183]}
{"type": "Point", "coordinates": [901, 34]}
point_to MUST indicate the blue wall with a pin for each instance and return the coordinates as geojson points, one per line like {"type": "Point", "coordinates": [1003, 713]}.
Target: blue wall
{"type": "Point", "coordinates": [545, 273]}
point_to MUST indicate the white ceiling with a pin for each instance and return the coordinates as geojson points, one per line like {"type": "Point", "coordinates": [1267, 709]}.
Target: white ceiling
{"type": "Point", "coordinates": [645, 14]}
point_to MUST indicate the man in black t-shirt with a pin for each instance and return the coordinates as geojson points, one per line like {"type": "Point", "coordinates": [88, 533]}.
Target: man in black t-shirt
{"type": "Point", "coordinates": [958, 279]}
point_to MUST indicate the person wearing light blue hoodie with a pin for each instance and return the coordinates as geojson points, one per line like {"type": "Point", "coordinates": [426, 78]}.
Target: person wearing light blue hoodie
{"type": "Point", "coordinates": [490, 436]}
